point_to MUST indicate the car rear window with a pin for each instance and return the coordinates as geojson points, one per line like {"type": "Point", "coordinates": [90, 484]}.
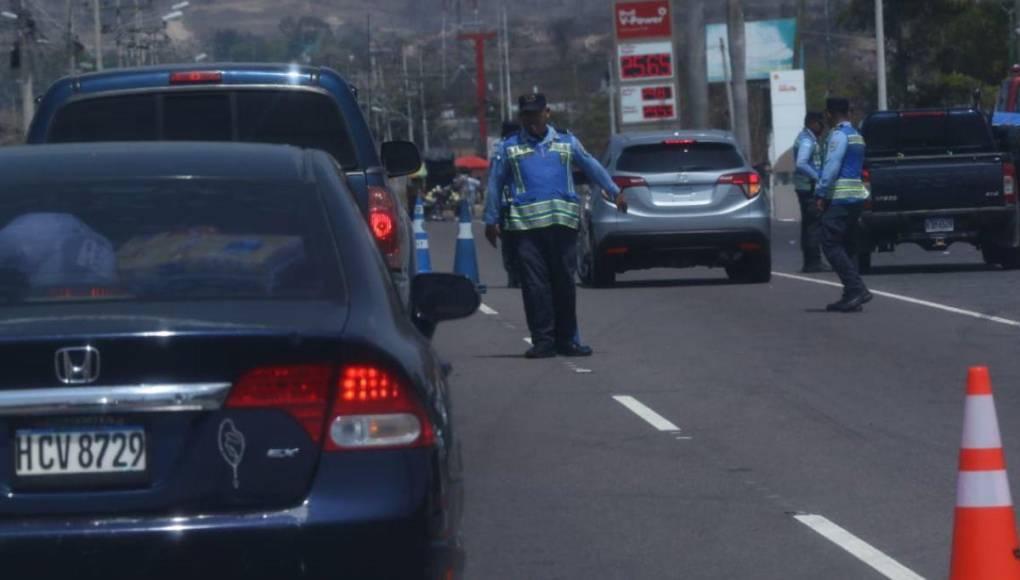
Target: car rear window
{"type": "Point", "coordinates": [289, 117]}
{"type": "Point", "coordinates": [926, 133]}
{"type": "Point", "coordinates": [158, 240]}
{"type": "Point", "coordinates": [672, 158]}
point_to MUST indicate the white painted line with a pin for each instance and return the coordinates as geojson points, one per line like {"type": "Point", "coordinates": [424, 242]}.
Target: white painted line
{"type": "Point", "coordinates": [528, 340]}
{"type": "Point", "coordinates": [860, 549]}
{"type": "Point", "coordinates": [638, 408]}
{"type": "Point", "coordinates": [787, 220]}
{"type": "Point", "coordinates": [909, 300]}
{"type": "Point", "coordinates": [486, 309]}
{"type": "Point", "coordinates": [581, 371]}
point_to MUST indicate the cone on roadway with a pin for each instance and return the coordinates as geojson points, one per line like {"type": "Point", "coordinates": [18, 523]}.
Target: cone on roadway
{"type": "Point", "coordinates": [465, 260]}
{"type": "Point", "coordinates": [984, 532]}
{"type": "Point", "coordinates": [421, 238]}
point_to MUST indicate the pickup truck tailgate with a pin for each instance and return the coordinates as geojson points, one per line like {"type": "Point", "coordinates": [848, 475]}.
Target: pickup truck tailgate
{"type": "Point", "coordinates": [940, 182]}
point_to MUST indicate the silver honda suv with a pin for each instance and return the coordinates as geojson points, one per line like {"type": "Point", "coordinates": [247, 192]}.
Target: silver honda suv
{"type": "Point", "coordinates": [694, 201]}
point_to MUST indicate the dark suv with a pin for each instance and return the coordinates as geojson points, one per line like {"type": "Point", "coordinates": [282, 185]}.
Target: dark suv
{"type": "Point", "coordinates": [264, 103]}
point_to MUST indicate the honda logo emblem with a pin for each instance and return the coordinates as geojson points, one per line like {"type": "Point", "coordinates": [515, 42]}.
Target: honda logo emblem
{"type": "Point", "coordinates": [77, 365]}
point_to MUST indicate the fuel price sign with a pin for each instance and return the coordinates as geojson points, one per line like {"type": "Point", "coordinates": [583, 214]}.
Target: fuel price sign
{"type": "Point", "coordinates": [646, 60]}
{"type": "Point", "coordinates": [647, 103]}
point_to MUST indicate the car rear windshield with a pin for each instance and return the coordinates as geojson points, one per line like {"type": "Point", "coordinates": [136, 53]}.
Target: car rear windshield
{"type": "Point", "coordinates": [927, 133]}
{"type": "Point", "coordinates": [158, 240]}
{"type": "Point", "coordinates": [289, 117]}
{"type": "Point", "coordinates": [670, 158]}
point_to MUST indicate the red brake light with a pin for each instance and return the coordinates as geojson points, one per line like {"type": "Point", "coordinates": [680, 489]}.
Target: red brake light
{"type": "Point", "coordinates": [374, 408]}
{"type": "Point", "coordinates": [625, 181]}
{"type": "Point", "coordinates": [866, 176]}
{"type": "Point", "coordinates": [749, 181]}
{"type": "Point", "coordinates": [383, 220]}
{"type": "Point", "coordinates": [196, 78]}
{"type": "Point", "coordinates": [685, 142]}
{"type": "Point", "coordinates": [300, 390]}
{"type": "Point", "coordinates": [1008, 183]}
{"type": "Point", "coordinates": [910, 114]}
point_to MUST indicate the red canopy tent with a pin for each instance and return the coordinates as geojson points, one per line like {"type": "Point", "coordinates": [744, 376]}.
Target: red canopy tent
{"type": "Point", "coordinates": [471, 162]}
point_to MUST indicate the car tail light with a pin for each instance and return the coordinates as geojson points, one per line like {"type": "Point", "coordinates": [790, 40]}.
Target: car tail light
{"type": "Point", "coordinates": [1009, 183]}
{"type": "Point", "coordinates": [684, 142]}
{"type": "Point", "coordinates": [196, 78]}
{"type": "Point", "coordinates": [300, 390]}
{"type": "Point", "coordinates": [384, 223]}
{"type": "Point", "coordinates": [374, 408]}
{"type": "Point", "coordinates": [749, 181]}
{"type": "Point", "coordinates": [916, 114]}
{"type": "Point", "coordinates": [625, 181]}
{"type": "Point", "coordinates": [617, 251]}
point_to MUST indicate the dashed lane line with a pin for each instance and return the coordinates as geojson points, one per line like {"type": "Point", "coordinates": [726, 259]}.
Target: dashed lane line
{"type": "Point", "coordinates": [487, 310]}
{"type": "Point", "coordinates": [857, 547]}
{"type": "Point", "coordinates": [909, 300]}
{"type": "Point", "coordinates": [651, 417]}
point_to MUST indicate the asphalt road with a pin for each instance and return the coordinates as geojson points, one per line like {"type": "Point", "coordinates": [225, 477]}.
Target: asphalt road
{"type": "Point", "coordinates": [767, 414]}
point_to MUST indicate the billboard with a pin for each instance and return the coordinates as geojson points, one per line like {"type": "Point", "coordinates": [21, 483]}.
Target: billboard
{"type": "Point", "coordinates": [789, 104]}
{"type": "Point", "coordinates": [646, 60]}
{"type": "Point", "coordinates": [770, 45]}
{"type": "Point", "coordinates": [648, 19]}
{"type": "Point", "coordinates": [647, 103]}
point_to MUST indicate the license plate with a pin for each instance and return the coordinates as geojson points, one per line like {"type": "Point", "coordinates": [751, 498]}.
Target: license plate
{"type": "Point", "coordinates": [939, 225]}
{"type": "Point", "coordinates": [46, 453]}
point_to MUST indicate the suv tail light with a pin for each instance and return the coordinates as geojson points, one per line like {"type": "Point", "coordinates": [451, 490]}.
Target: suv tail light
{"type": "Point", "coordinates": [196, 78]}
{"type": "Point", "coordinates": [384, 223]}
{"type": "Point", "coordinates": [375, 408]}
{"type": "Point", "coordinates": [369, 406]}
{"type": "Point", "coordinates": [1008, 183]}
{"type": "Point", "coordinates": [300, 390]}
{"type": "Point", "coordinates": [749, 181]}
{"type": "Point", "coordinates": [625, 181]}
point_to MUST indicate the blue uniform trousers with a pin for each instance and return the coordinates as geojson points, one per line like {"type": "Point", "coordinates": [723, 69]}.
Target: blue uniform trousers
{"type": "Point", "coordinates": [547, 258]}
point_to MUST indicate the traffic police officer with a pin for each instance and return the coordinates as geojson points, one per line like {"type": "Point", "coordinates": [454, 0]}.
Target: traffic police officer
{"type": "Point", "coordinates": [508, 244]}
{"type": "Point", "coordinates": [840, 195]}
{"type": "Point", "coordinates": [544, 213]}
{"type": "Point", "coordinates": [807, 152]}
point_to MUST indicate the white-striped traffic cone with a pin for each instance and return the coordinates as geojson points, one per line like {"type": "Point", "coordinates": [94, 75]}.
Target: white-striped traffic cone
{"type": "Point", "coordinates": [984, 533]}
{"type": "Point", "coordinates": [465, 260]}
{"type": "Point", "coordinates": [421, 238]}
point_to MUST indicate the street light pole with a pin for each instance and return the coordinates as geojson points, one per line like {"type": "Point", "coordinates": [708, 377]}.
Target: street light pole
{"type": "Point", "coordinates": [98, 24]}
{"type": "Point", "coordinates": [72, 61]}
{"type": "Point", "coordinates": [883, 100]}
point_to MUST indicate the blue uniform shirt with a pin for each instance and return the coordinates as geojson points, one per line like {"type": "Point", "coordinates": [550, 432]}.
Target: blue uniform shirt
{"type": "Point", "coordinates": [807, 152]}
{"type": "Point", "coordinates": [844, 162]}
{"type": "Point", "coordinates": [539, 173]}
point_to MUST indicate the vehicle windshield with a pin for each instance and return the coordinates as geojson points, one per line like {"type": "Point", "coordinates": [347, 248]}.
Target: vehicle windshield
{"type": "Point", "coordinates": [286, 116]}
{"type": "Point", "coordinates": [672, 158]}
{"type": "Point", "coordinates": [927, 133]}
{"type": "Point", "coordinates": [141, 241]}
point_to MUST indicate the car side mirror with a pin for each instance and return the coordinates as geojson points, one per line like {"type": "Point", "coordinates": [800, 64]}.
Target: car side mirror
{"type": "Point", "coordinates": [400, 158]}
{"type": "Point", "coordinates": [439, 296]}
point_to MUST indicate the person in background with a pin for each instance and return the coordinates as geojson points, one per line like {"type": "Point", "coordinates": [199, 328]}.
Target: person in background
{"type": "Point", "coordinates": [840, 197]}
{"type": "Point", "coordinates": [807, 151]}
{"type": "Point", "coordinates": [544, 214]}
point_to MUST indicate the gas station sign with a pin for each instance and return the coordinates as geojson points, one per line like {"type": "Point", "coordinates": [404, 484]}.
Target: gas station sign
{"type": "Point", "coordinates": [648, 103]}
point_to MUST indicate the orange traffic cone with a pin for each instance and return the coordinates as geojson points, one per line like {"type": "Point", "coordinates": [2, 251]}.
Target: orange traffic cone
{"type": "Point", "coordinates": [984, 534]}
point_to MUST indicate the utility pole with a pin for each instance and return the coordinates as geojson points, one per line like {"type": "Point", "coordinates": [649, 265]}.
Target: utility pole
{"type": "Point", "coordinates": [612, 99]}
{"type": "Point", "coordinates": [1016, 26]}
{"type": "Point", "coordinates": [828, 51]}
{"type": "Point", "coordinates": [883, 99]}
{"type": "Point", "coordinates": [118, 35]}
{"type": "Point", "coordinates": [72, 64]}
{"type": "Point", "coordinates": [727, 75]}
{"type": "Point", "coordinates": [697, 66]}
{"type": "Point", "coordinates": [407, 97]}
{"type": "Point", "coordinates": [421, 96]}
{"type": "Point", "coordinates": [98, 25]}
{"type": "Point", "coordinates": [26, 39]}
{"type": "Point", "coordinates": [506, 63]}
{"type": "Point", "coordinates": [738, 61]}
{"type": "Point", "coordinates": [479, 39]}
{"type": "Point", "coordinates": [371, 63]}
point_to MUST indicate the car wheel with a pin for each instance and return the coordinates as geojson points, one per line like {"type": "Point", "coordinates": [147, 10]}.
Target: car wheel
{"type": "Point", "coordinates": [864, 262]}
{"type": "Point", "coordinates": [1010, 258]}
{"type": "Point", "coordinates": [752, 269]}
{"type": "Point", "coordinates": [593, 271]}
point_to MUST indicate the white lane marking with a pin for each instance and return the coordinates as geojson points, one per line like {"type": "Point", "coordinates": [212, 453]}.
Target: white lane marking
{"type": "Point", "coordinates": [638, 408]}
{"type": "Point", "coordinates": [860, 549]}
{"type": "Point", "coordinates": [528, 340]}
{"type": "Point", "coordinates": [909, 300]}
{"type": "Point", "coordinates": [486, 309]}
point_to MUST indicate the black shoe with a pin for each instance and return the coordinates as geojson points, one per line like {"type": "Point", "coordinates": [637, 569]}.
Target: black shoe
{"type": "Point", "coordinates": [541, 351]}
{"type": "Point", "coordinates": [815, 269]}
{"type": "Point", "coordinates": [857, 301]}
{"type": "Point", "coordinates": [574, 349]}
{"type": "Point", "coordinates": [836, 306]}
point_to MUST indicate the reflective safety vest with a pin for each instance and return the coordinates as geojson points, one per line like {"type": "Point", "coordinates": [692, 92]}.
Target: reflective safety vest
{"type": "Point", "coordinates": [542, 182]}
{"type": "Point", "coordinates": [849, 186]}
{"type": "Point", "coordinates": [806, 138]}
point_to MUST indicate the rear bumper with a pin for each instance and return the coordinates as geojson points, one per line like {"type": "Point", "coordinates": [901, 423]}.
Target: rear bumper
{"type": "Point", "coordinates": [992, 225]}
{"type": "Point", "coordinates": [640, 250]}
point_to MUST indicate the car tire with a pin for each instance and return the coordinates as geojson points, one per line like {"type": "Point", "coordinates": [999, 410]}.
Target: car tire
{"type": "Point", "coordinates": [1010, 258]}
{"type": "Point", "coordinates": [752, 269]}
{"type": "Point", "coordinates": [864, 262]}
{"type": "Point", "coordinates": [602, 274]}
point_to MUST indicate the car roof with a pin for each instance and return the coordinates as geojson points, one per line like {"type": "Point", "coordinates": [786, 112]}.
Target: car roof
{"type": "Point", "coordinates": [117, 161]}
{"type": "Point", "coordinates": [648, 137]}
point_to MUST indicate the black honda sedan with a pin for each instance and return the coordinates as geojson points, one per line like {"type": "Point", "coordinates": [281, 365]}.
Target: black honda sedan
{"type": "Point", "coordinates": [207, 372]}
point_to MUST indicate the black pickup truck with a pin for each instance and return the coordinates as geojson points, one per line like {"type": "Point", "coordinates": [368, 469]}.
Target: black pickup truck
{"type": "Point", "coordinates": [937, 177]}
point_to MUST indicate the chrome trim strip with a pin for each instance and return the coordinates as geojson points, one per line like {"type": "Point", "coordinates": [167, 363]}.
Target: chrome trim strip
{"type": "Point", "coordinates": [166, 398]}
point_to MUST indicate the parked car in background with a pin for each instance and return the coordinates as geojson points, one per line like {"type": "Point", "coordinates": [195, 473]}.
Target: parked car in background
{"type": "Point", "coordinates": [209, 373]}
{"type": "Point", "coordinates": [694, 201]}
{"type": "Point", "coordinates": [266, 103]}
{"type": "Point", "coordinates": [937, 177]}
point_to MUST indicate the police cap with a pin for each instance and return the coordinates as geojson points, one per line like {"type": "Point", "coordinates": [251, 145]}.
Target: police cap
{"type": "Point", "coordinates": [532, 103]}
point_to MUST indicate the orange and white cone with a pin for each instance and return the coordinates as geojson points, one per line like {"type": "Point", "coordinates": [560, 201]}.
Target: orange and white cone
{"type": "Point", "coordinates": [984, 534]}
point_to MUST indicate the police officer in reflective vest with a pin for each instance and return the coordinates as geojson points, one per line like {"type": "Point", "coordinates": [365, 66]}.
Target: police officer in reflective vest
{"type": "Point", "coordinates": [807, 152]}
{"type": "Point", "coordinates": [536, 163]}
{"type": "Point", "coordinates": [841, 194]}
